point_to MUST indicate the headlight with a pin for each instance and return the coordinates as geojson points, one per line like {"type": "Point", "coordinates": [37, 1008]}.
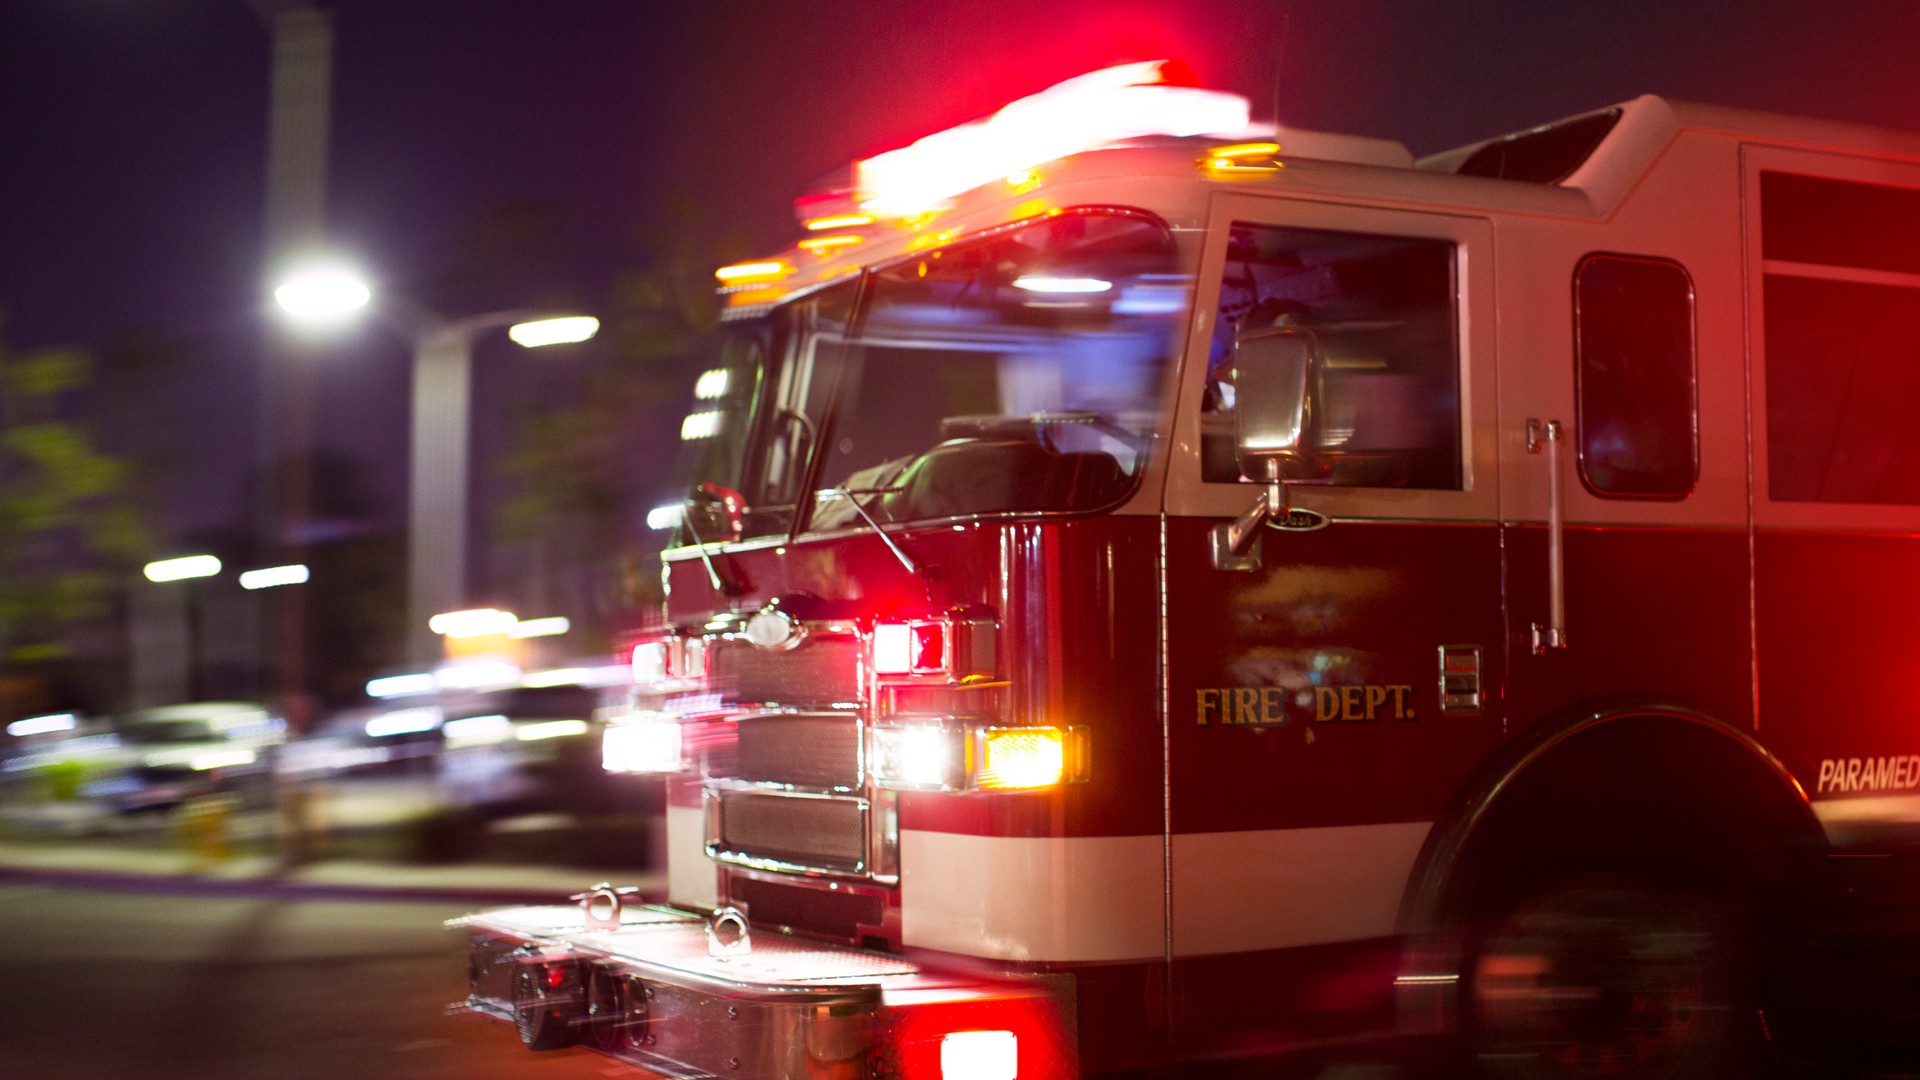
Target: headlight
{"type": "Point", "coordinates": [636, 745]}
{"type": "Point", "coordinates": [930, 756]}
{"type": "Point", "coordinates": [922, 757]}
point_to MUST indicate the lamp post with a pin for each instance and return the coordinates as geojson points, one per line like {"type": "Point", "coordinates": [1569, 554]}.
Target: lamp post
{"type": "Point", "coordinates": [442, 415]}
{"type": "Point", "coordinates": [164, 630]}
{"type": "Point", "coordinates": [441, 425]}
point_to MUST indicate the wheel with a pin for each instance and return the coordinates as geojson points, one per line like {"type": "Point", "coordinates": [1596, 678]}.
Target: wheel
{"type": "Point", "coordinates": [1617, 981]}
{"type": "Point", "coordinates": [545, 1001]}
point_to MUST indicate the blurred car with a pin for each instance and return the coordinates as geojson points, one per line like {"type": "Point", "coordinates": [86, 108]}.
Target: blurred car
{"type": "Point", "coordinates": [164, 756]}
{"type": "Point", "coordinates": [46, 756]}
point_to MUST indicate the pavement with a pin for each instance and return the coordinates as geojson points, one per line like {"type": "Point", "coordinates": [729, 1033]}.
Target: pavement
{"type": "Point", "coordinates": [71, 844]}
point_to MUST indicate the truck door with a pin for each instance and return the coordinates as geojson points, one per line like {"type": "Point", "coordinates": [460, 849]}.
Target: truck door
{"type": "Point", "coordinates": [1834, 287]}
{"type": "Point", "coordinates": [1326, 692]}
{"type": "Point", "coordinates": [1622, 421]}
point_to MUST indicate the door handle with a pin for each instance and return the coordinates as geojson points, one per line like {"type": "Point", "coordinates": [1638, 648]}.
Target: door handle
{"type": "Point", "coordinates": [1544, 437]}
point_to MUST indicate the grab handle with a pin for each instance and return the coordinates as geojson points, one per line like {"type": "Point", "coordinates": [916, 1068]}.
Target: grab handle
{"type": "Point", "coordinates": [1543, 436]}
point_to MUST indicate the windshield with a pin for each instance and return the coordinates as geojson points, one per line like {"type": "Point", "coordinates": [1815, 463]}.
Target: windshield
{"type": "Point", "coordinates": [1019, 372]}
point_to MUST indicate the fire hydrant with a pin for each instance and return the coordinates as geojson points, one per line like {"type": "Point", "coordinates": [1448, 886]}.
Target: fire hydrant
{"type": "Point", "coordinates": [205, 820]}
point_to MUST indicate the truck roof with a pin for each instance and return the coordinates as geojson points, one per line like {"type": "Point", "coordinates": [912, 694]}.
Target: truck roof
{"type": "Point", "coordinates": [1579, 166]}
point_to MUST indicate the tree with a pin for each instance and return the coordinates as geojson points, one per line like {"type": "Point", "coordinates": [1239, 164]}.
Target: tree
{"type": "Point", "coordinates": [582, 457]}
{"type": "Point", "coordinates": [69, 533]}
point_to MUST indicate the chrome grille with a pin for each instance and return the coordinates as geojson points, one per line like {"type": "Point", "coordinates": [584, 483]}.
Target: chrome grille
{"type": "Point", "coordinates": [820, 833]}
{"type": "Point", "coordinates": [819, 752]}
{"type": "Point", "coordinates": [821, 670]}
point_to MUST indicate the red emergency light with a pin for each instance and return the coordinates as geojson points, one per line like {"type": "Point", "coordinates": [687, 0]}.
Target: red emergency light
{"type": "Point", "coordinates": [1100, 108]}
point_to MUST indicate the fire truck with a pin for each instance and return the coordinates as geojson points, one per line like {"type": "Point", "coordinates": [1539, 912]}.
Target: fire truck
{"type": "Point", "coordinates": [1162, 590]}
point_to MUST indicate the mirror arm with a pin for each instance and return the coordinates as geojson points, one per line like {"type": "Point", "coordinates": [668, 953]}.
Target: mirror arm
{"type": "Point", "coordinates": [1273, 505]}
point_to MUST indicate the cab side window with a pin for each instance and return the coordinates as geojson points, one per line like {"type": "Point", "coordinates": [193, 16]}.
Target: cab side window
{"type": "Point", "coordinates": [1382, 315]}
{"type": "Point", "coordinates": [1842, 310]}
{"type": "Point", "coordinates": [1635, 389]}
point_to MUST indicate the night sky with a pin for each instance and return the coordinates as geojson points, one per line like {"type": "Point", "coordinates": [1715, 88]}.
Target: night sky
{"type": "Point", "coordinates": [133, 136]}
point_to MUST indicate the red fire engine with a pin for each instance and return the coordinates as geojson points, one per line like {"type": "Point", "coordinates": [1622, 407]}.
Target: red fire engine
{"type": "Point", "coordinates": [1163, 591]}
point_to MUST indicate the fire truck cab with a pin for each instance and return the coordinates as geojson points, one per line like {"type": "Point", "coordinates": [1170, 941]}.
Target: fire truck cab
{"type": "Point", "coordinates": [1164, 591]}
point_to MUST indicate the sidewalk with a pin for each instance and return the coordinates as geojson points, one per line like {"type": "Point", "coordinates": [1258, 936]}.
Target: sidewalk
{"type": "Point", "coordinates": [73, 851]}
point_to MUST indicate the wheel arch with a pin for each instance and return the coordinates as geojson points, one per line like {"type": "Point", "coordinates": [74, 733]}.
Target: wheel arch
{"type": "Point", "coordinates": [1704, 782]}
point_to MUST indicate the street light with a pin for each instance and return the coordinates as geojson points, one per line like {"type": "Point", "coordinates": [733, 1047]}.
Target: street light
{"type": "Point", "coordinates": [164, 632]}
{"type": "Point", "coordinates": [322, 294]}
{"type": "Point", "coordinates": [442, 414]}
{"type": "Point", "coordinates": [182, 568]}
{"type": "Point", "coordinates": [327, 293]}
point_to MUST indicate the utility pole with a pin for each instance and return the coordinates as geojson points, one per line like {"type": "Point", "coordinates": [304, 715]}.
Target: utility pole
{"type": "Point", "coordinates": [298, 114]}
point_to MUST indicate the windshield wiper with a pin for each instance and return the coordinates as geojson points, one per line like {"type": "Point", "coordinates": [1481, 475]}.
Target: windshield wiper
{"type": "Point", "coordinates": [852, 496]}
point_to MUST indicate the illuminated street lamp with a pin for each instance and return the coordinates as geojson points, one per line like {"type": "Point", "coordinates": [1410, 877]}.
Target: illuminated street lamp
{"type": "Point", "coordinates": [182, 568]}
{"type": "Point", "coordinates": [163, 629]}
{"type": "Point", "coordinates": [437, 486]}
{"type": "Point", "coordinates": [326, 294]}
{"type": "Point", "coordinates": [322, 294]}
{"type": "Point", "coordinates": [272, 577]}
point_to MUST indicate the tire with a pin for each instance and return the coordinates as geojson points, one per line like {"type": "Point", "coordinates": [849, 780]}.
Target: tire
{"type": "Point", "coordinates": [1621, 981]}
{"type": "Point", "coordinates": [544, 1014]}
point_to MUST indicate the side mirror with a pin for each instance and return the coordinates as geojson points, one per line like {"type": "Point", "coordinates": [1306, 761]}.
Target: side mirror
{"type": "Point", "coordinates": [1279, 397]}
{"type": "Point", "coordinates": [1279, 394]}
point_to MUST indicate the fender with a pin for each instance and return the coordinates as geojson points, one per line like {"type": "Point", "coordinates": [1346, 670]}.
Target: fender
{"type": "Point", "coordinates": [1431, 964]}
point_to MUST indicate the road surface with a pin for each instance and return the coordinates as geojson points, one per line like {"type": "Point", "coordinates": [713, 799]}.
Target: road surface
{"type": "Point", "coordinates": [125, 985]}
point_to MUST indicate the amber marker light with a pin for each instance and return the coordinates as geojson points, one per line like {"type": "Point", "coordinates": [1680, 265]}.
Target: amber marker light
{"type": "Point", "coordinates": [1262, 157]}
{"type": "Point", "coordinates": [1024, 759]}
{"type": "Point", "coordinates": [827, 245]}
{"type": "Point", "coordinates": [750, 272]}
{"type": "Point", "coordinates": [837, 221]}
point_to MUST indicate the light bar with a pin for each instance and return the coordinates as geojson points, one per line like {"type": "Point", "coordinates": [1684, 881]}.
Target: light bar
{"type": "Point", "coordinates": [563, 330]}
{"type": "Point", "coordinates": [748, 272]}
{"type": "Point", "coordinates": [183, 568]}
{"type": "Point", "coordinates": [827, 245]}
{"type": "Point", "coordinates": [1260, 157]}
{"type": "Point", "coordinates": [273, 576]}
{"type": "Point", "coordinates": [43, 725]}
{"type": "Point", "coordinates": [1094, 110]}
{"type": "Point", "coordinates": [837, 221]}
{"type": "Point", "coordinates": [548, 627]}
{"type": "Point", "coordinates": [664, 517]}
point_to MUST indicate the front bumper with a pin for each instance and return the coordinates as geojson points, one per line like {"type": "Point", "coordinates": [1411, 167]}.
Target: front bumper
{"type": "Point", "coordinates": [650, 993]}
